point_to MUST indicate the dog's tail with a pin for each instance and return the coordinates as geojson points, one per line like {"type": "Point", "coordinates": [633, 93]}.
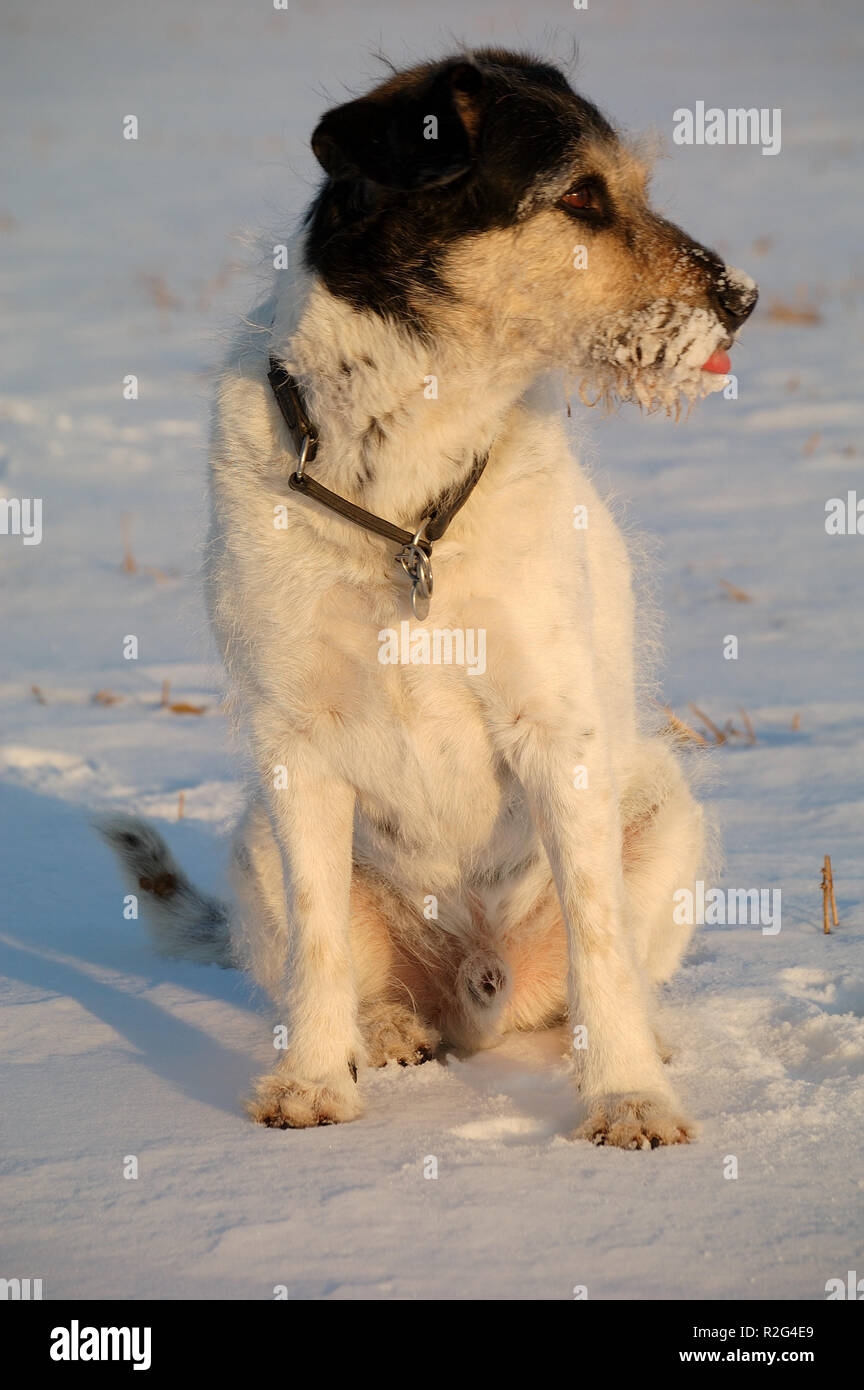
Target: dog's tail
{"type": "Point", "coordinates": [182, 921]}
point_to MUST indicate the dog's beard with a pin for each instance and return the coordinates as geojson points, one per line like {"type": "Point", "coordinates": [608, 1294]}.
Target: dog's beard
{"type": "Point", "coordinates": [653, 356]}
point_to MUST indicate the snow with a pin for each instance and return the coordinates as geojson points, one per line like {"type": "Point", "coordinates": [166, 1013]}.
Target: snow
{"type": "Point", "coordinates": [676, 333]}
{"type": "Point", "coordinates": [135, 257]}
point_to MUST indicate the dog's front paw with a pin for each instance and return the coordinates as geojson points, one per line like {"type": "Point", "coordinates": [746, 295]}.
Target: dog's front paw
{"type": "Point", "coordinates": [635, 1122]}
{"type": "Point", "coordinates": [392, 1033]}
{"type": "Point", "coordinates": [283, 1102]}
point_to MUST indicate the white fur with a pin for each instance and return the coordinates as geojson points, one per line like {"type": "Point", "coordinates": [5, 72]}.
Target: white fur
{"type": "Point", "coordinates": [474, 774]}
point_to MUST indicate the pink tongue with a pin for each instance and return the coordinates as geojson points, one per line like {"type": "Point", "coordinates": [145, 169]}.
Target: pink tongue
{"type": "Point", "coordinates": [718, 362]}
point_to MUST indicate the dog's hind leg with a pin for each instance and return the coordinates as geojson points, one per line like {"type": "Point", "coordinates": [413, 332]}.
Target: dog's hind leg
{"type": "Point", "coordinates": [259, 920]}
{"type": "Point", "coordinates": [392, 1026]}
{"type": "Point", "coordinates": [663, 845]}
{"type": "Point", "coordinates": [536, 951]}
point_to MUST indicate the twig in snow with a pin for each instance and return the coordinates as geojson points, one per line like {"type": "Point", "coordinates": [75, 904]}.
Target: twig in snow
{"type": "Point", "coordinates": [828, 875]}
{"type": "Point", "coordinates": [682, 730]}
{"type": "Point", "coordinates": [719, 736]}
{"type": "Point", "coordinates": [734, 592]}
{"type": "Point", "coordinates": [129, 566]}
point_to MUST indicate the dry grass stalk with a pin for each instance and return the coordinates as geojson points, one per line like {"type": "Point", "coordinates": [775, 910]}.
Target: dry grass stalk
{"type": "Point", "coordinates": [781, 311]}
{"type": "Point", "coordinates": [159, 293]}
{"type": "Point", "coordinates": [129, 566]}
{"type": "Point", "coordinates": [811, 443]}
{"type": "Point", "coordinates": [730, 731]}
{"type": "Point", "coordinates": [161, 576]}
{"type": "Point", "coordinates": [734, 592]}
{"type": "Point", "coordinates": [177, 706]}
{"type": "Point", "coordinates": [829, 874]}
{"type": "Point", "coordinates": [681, 730]}
{"type": "Point", "coordinates": [751, 733]}
{"type": "Point", "coordinates": [719, 735]}
{"type": "Point", "coordinates": [181, 802]}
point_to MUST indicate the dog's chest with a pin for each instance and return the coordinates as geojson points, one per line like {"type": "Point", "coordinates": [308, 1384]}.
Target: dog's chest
{"type": "Point", "coordinates": [421, 752]}
{"type": "Point", "coordinates": [318, 638]}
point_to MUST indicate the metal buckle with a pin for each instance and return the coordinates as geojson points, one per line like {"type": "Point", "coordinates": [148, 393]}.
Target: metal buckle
{"type": "Point", "coordinates": [416, 561]}
{"type": "Point", "coordinates": [304, 451]}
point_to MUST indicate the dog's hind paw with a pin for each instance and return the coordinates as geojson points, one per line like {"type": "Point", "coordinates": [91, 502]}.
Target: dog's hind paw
{"type": "Point", "coordinates": [635, 1122]}
{"type": "Point", "coordinates": [281, 1102]}
{"type": "Point", "coordinates": [393, 1033]}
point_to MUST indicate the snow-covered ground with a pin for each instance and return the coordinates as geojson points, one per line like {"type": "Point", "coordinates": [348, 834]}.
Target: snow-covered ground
{"type": "Point", "coordinates": [127, 257]}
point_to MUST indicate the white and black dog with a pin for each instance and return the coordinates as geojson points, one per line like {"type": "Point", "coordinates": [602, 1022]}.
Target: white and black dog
{"type": "Point", "coordinates": [437, 850]}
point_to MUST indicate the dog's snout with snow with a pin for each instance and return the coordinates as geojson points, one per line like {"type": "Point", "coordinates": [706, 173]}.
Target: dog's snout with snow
{"type": "Point", "coordinates": [736, 296]}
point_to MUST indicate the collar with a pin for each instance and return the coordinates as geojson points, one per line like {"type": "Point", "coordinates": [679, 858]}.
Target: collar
{"type": "Point", "coordinates": [415, 556]}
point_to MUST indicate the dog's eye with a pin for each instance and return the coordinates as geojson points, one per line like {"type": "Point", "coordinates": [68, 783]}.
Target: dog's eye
{"type": "Point", "coordinates": [584, 198]}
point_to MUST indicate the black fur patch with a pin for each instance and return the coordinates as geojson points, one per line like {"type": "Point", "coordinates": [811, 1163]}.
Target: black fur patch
{"type": "Point", "coordinates": [395, 200]}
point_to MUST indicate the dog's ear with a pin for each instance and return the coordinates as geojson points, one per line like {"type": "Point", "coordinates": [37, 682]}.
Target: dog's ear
{"type": "Point", "coordinates": [416, 135]}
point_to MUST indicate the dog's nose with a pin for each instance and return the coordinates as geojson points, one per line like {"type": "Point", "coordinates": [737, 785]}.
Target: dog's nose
{"type": "Point", "coordinates": [736, 295]}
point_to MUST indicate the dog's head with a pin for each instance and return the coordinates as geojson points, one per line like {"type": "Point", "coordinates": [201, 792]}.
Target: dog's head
{"type": "Point", "coordinates": [483, 195]}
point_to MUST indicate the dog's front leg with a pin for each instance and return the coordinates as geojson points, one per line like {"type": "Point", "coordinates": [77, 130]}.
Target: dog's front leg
{"type": "Point", "coordinates": [630, 1102]}
{"type": "Point", "coordinates": [312, 811]}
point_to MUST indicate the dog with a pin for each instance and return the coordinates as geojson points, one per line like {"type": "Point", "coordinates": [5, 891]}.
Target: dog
{"type": "Point", "coordinates": [432, 853]}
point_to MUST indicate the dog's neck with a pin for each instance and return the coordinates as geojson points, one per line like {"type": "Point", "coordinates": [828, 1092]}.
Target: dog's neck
{"type": "Point", "coordinates": [401, 420]}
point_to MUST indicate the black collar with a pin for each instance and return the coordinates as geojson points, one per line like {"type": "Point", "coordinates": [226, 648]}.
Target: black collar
{"type": "Point", "coordinates": [416, 551]}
